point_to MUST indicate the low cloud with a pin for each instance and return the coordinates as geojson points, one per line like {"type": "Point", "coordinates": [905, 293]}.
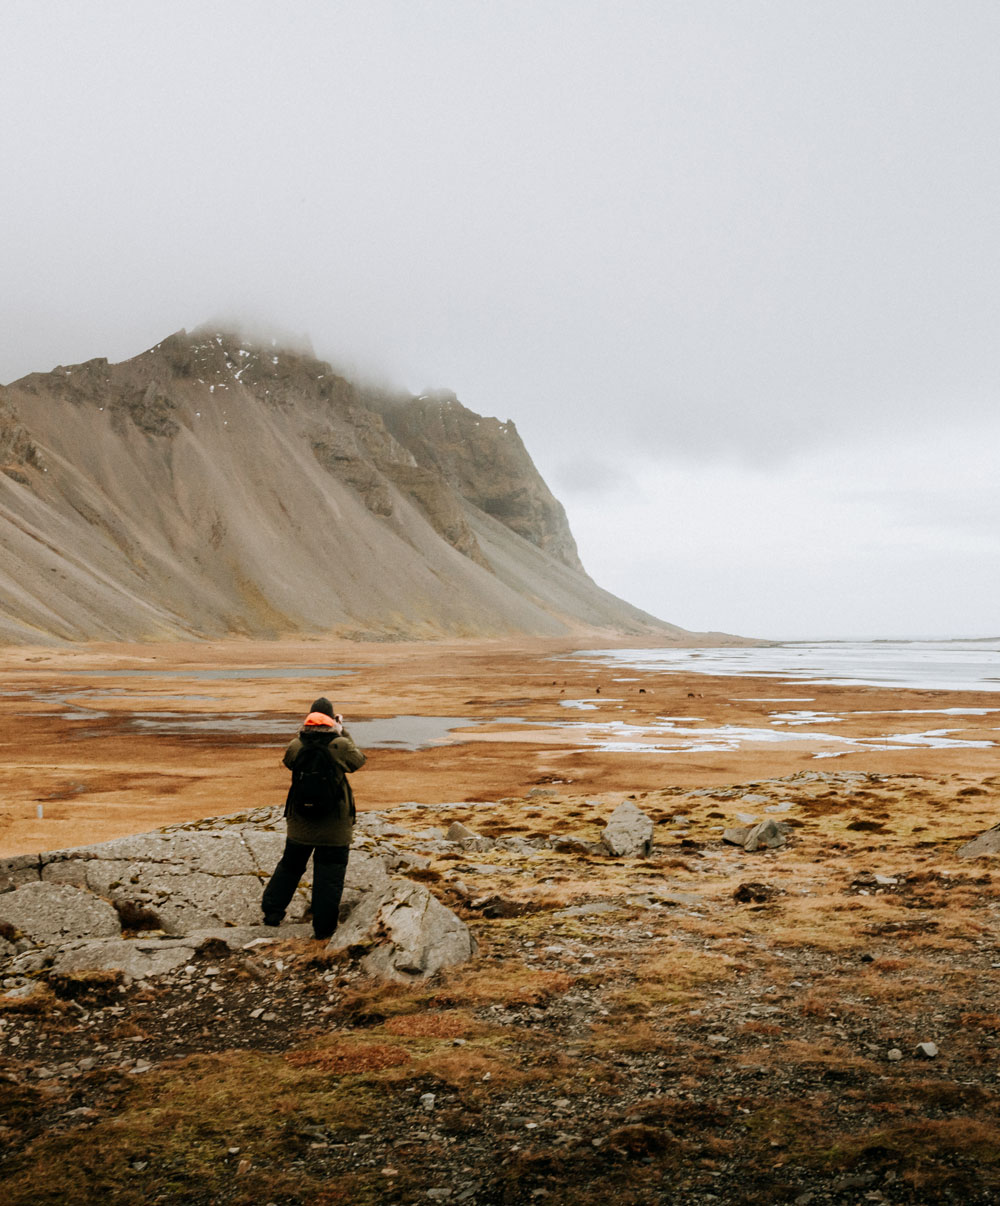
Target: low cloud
{"type": "Point", "coordinates": [589, 476]}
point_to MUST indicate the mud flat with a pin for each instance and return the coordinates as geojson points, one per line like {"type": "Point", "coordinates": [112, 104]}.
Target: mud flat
{"type": "Point", "coordinates": [112, 740]}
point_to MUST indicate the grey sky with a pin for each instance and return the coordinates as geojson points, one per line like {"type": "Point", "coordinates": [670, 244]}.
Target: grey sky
{"type": "Point", "coordinates": [731, 267]}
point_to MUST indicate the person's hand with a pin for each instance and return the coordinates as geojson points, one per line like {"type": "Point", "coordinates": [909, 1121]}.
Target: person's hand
{"type": "Point", "coordinates": [338, 722]}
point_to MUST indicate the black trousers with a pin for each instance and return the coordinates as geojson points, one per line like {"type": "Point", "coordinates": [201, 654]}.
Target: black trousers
{"type": "Point", "coordinates": [329, 869]}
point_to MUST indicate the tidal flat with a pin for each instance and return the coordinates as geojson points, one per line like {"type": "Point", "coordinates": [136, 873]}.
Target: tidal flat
{"type": "Point", "coordinates": [815, 1023]}
{"type": "Point", "coordinates": [116, 739]}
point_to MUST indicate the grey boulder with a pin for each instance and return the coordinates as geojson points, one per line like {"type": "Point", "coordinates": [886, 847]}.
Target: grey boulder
{"type": "Point", "coordinates": [629, 832]}
{"type": "Point", "coordinates": [406, 932]}
{"type": "Point", "coordinates": [768, 834]}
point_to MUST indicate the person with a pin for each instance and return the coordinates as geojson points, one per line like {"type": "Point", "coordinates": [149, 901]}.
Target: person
{"type": "Point", "coordinates": [327, 838]}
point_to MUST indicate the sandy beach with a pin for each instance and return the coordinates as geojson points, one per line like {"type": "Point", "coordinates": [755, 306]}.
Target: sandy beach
{"type": "Point", "coordinates": [117, 739]}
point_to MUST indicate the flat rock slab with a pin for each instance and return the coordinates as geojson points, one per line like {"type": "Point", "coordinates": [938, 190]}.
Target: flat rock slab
{"type": "Point", "coordinates": [46, 913]}
{"type": "Point", "coordinates": [986, 843]}
{"type": "Point", "coordinates": [669, 896]}
{"type": "Point", "coordinates": [137, 960]}
{"type": "Point", "coordinates": [407, 932]}
{"type": "Point", "coordinates": [141, 957]}
{"type": "Point", "coordinates": [593, 909]}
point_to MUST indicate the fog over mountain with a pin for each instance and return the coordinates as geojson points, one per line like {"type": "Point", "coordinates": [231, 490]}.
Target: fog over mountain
{"type": "Point", "coordinates": [732, 267]}
{"type": "Point", "coordinates": [214, 486]}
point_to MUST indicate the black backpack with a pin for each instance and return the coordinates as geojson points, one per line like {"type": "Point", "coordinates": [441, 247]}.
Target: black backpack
{"type": "Point", "coordinates": [317, 788]}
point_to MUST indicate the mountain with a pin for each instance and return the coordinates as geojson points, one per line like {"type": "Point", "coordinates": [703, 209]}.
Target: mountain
{"type": "Point", "coordinates": [214, 486]}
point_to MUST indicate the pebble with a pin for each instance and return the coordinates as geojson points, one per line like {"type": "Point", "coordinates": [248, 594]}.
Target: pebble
{"type": "Point", "coordinates": [427, 1101]}
{"type": "Point", "coordinates": [895, 1054]}
{"type": "Point", "coordinates": [927, 1050]}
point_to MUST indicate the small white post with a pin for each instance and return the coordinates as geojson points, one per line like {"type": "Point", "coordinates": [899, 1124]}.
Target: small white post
{"type": "Point", "coordinates": [38, 810]}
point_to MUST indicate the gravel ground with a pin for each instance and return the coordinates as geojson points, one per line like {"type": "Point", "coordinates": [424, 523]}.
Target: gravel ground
{"type": "Point", "coordinates": [810, 1024]}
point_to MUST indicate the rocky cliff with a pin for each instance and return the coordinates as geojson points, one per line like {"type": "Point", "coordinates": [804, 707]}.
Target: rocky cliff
{"type": "Point", "coordinates": [215, 486]}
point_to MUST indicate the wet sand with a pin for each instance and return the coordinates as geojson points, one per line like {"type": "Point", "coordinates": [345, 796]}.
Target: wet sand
{"type": "Point", "coordinates": [120, 739]}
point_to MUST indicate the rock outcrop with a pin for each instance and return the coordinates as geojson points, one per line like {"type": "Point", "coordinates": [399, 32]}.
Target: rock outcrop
{"type": "Point", "coordinates": [143, 904]}
{"type": "Point", "coordinates": [213, 486]}
{"type": "Point", "coordinates": [486, 462]}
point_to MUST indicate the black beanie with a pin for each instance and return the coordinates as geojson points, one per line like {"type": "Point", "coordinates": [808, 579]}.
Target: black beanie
{"type": "Point", "coordinates": [322, 705]}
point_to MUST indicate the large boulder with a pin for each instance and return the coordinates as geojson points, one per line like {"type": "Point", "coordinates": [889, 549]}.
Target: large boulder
{"type": "Point", "coordinates": [46, 913]}
{"type": "Point", "coordinates": [629, 832]}
{"type": "Point", "coordinates": [406, 932]}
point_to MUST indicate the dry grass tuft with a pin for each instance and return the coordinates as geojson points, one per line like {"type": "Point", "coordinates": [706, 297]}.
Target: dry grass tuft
{"type": "Point", "coordinates": [349, 1059]}
{"type": "Point", "coordinates": [452, 1024]}
{"type": "Point", "coordinates": [502, 985]}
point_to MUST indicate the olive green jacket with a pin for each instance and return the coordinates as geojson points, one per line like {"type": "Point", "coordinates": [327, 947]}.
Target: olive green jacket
{"type": "Point", "coordinates": [337, 827]}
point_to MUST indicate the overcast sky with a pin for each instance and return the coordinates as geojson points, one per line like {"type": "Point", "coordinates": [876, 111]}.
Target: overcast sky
{"type": "Point", "coordinates": [731, 266]}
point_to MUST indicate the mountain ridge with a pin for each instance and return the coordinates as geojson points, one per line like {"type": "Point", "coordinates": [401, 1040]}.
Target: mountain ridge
{"type": "Point", "coordinates": [214, 485]}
